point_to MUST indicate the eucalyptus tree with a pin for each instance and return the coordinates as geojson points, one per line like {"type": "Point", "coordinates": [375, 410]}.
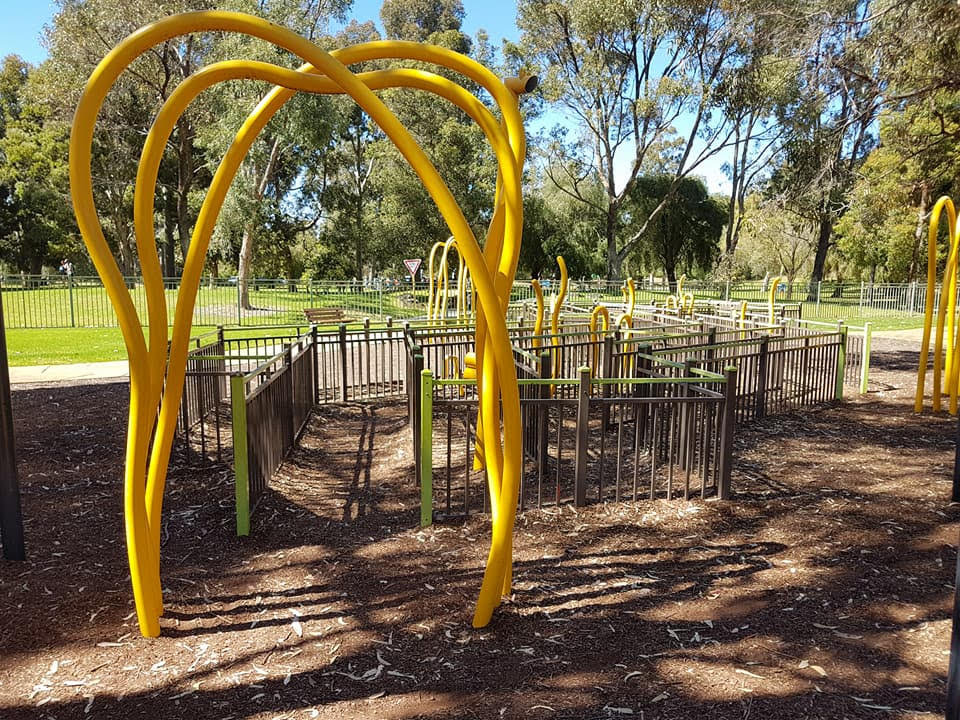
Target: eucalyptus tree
{"type": "Point", "coordinates": [640, 84]}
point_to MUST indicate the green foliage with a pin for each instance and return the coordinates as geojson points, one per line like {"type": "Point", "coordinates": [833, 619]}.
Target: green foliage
{"type": "Point", "coordinates": [685, 235]}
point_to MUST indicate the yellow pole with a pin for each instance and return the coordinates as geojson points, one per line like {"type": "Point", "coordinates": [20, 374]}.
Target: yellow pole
{"type": "Point", "coordinates": [944, 203]}
{"type": "Point", "coordinates": [555, 318]}
{"type": "Point", "coordinates": [538, 323]}
{"type": "Point", "coordinates": [771, 314]}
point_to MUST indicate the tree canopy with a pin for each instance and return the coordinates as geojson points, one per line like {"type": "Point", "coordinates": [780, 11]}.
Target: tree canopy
{"type": "Point", "coordinates": [835, 123]}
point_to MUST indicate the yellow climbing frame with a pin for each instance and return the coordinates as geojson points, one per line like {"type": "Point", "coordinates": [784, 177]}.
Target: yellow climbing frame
{"type": "Point", "coordinates": [157, 373]}
{"type": "Point", "coordinates": [946, 313]}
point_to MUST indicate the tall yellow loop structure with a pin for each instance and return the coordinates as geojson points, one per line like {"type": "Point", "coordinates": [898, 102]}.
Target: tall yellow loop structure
{"type": "Point", "coordinates": [600, 312]}
{"type": "Point", "coordinates": [555, 317]}
{"type": "Point", "coordinates": [771, 299]}
{"type": "Point", "coordinates": [946, 312]}
{"type": "Point", "coordinates": [538, 322]}
{"type": "Point", "coordinates": [157, 375]}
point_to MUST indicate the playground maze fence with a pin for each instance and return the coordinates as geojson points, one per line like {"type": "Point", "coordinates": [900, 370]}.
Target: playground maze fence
{"type": "Point", "coordinates": [646, 419]}
{"type": "Point", "coordinates": [656, 399]}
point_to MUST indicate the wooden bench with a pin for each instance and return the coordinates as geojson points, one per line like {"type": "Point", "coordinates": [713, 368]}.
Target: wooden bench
{"type": "Point", "coordinates": [324, 316]}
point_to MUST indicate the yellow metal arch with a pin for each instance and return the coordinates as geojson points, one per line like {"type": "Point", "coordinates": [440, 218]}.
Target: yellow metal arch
{"type": "Point", "coordinates": [492, 270]}
{"type": "Point", "coordinates": [946, 312]}
{"type": "Point", "coordinates": [538, 323]}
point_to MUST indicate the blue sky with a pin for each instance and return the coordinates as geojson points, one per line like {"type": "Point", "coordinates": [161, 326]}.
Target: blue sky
{"type": "Point", "coordinates": [23, 21]}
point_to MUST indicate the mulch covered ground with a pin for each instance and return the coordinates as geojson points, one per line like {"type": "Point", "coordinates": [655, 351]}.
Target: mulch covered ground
{"type": "Point", "coordinates": [822, 591]}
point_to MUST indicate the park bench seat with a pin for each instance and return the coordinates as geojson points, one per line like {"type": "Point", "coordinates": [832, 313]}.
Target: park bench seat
{"type": "Point", "coordinates": [324, 316]}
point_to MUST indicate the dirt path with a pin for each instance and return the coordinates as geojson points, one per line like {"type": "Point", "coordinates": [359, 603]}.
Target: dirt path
{"type": "Point", "coordinates": [822, 591]}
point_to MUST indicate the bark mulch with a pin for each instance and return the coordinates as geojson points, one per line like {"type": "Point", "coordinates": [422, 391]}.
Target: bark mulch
{"type": "Point", "coordinates": [822, 590]}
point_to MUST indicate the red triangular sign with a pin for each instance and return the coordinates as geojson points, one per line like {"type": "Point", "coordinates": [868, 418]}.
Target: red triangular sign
{"type": "Point", "coordinates": [412, 266]}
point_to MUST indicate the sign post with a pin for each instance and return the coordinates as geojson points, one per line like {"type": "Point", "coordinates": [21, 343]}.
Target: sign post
{"type": "Point", "coordinates": [412, 267]}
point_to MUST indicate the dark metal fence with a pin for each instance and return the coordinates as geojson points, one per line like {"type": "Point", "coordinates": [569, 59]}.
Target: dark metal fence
{"type": "Point", "coordinates": [271, 406]}
{"type": "Point", "coordinates": [658, 435]}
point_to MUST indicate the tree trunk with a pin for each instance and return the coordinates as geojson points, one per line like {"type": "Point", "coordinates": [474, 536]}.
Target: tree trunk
{"type": "Point", "coordinates": [823, 244]}
{"type": "Point", "coordinates": [169, 257]}
{"type": "Point", "coordinates": [918, 232]}
{"type": "Point", "coordinates": [184, 182]}
{"type": "Point", "coordinates": [614, 264]}
{"type": "Point", "coordinates": [250, 229]}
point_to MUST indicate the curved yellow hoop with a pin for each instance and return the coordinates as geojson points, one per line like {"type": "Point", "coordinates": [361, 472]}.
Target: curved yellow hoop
{"type": "Point", "coordinates": [599, 312]}
{"type": "Point", "coordinates": [430, 274]}
{"type": "Point", "coordinates": [538, 323]}
{"type": "Point", "coordinates": [555, 319]}
{"type": "Point", "coordinates": [771, 310]}
{"type": "Point", "coordinates": [948, 288]}
{"type": "Point", "coordinates": [443, 278]}
{"type": "Point", "coordinates": [143, 495]}
{"type": "Point", "coordinates": [410, 78]}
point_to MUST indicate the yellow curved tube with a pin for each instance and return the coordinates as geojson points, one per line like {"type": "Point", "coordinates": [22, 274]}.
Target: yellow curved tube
{"type": "Point", "coordinates": [671, 302]}
{"type": "Point", "coordinates": [680, 280]}
{"type": "Point", "coordinates": [228, 70]}
{"type": "Point", "coordinates": [599, 312]}
{"type": "Point", "coordinates": [430, 272]}
{"type": "Point", "coordinates": [500, 356]}
{"type": "Point", "coordinates": [462, 312]}
{"type": "Point", "coordinates": [946, 312]}
{"type": "Point", "coordinates": [943, 203]}
{"type": "Point", "coordinates": [443, 276]}
{"type": "Point", "coordinates": [555, 318]}
{"type": "Point", "coordinates": [687, 308]}
{"type": "Point", "coordinates": [631, 296]}
{"type": "Point", "coordinates": [743, 316]}
{"type": "Point", "coordinates": [771, 313]}
{"type": "Point", "coordinates": [538, 322]}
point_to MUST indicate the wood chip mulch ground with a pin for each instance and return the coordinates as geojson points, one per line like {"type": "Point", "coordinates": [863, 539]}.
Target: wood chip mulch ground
{"type": "Point", "coordinates": [822, 590]}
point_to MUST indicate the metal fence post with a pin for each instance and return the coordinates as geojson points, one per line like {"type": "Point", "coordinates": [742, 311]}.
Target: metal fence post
{"type": "Point", "coordinates": [726, 431]}
{"type": "Point", "coordinates": [315, 362]}
{"type": "Point", "coordinates": [865, 358]}
{"type": "Point", "coordinates": [583, 435]}
{"type": "Point", "coordinates": [760, 399]}
{"type": "Point", "coordinates": [239, 305]}
{"type": "Point", "coordinates": [288, 368]}
{"type": "Point", "coordinates": [73, 321]}
{"type": "Point", "coordinates": [819, 287]}
{"type": "Point", "coordinates": [543, 415]}
{"type": "Point", "coordinates": [11, 518]}
{"type": "Point", "coordinates": [861, 298]}
{"type": "Point", "coordinates": [841, 362]}
{"type": "Point", "coordinates": [426, 448]}
{"type": "Point", "coordinates": [343, 361]}
{"type": "Point", "coordinates": [241, 461]}
{"type": "Point", "coordinates": [607, 373]}
{"type": "Point", "coordinates": [414, 391]}
{"type": "Point", "coordinates": [726, 292]}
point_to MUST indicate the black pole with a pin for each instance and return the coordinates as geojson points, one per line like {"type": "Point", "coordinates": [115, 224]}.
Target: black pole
{"type": "Point", "coordinates": [953, 674]}
{"type": "Point", "coordinates": [953, 681]}
{"type": "Point", "coordinates": [11, 521]}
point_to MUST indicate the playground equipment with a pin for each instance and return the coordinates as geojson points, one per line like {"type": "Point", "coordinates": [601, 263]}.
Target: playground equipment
{"type": "Point", "coordinates": [946, 314]}
{"type": "Point", "coordinates": [437, 298]}
{"type": "Point", "coordinates": [771, 300]}
{"type": "Point", "coordinates": [157, 371]}
{"type": "Point", "coordinates": [538, 322]}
